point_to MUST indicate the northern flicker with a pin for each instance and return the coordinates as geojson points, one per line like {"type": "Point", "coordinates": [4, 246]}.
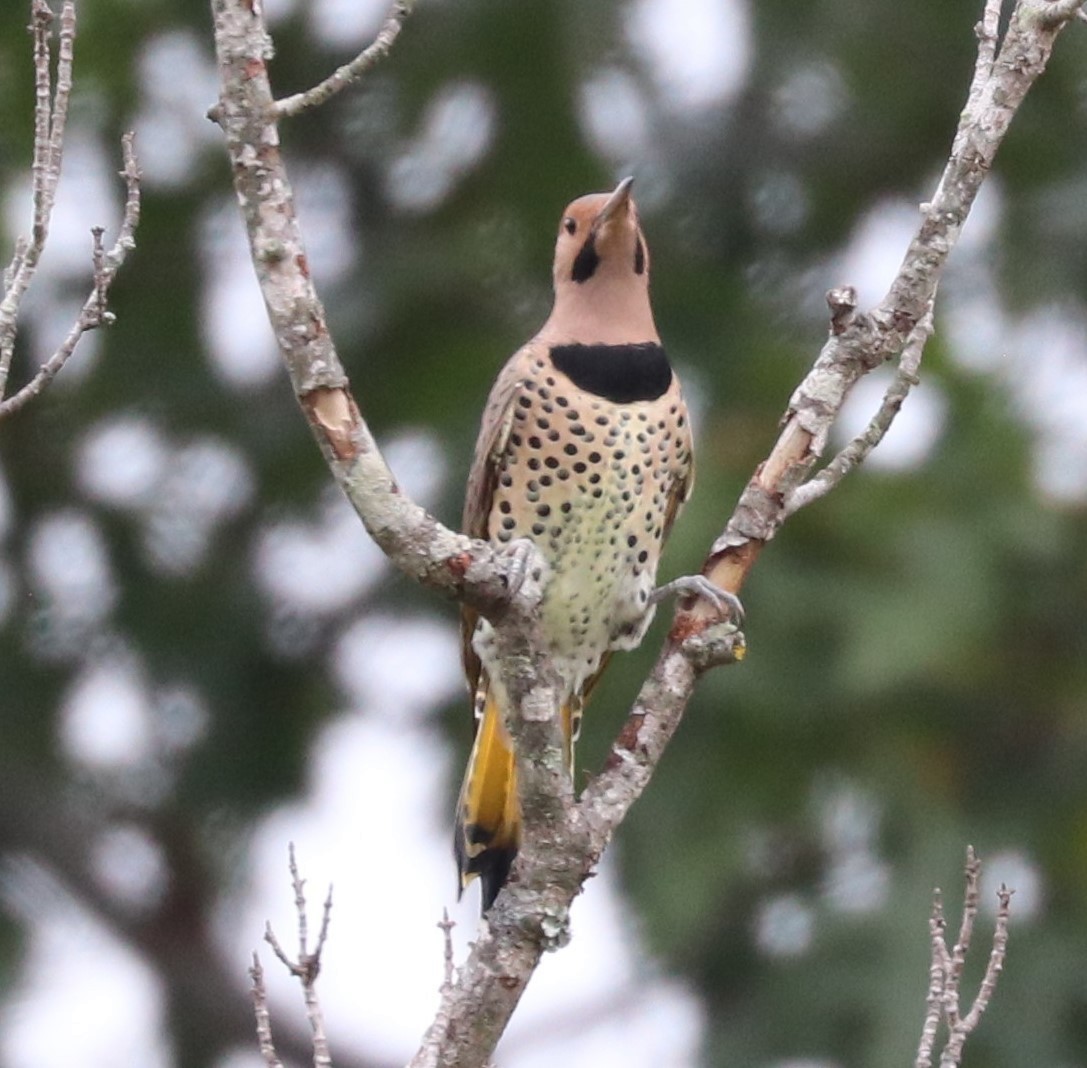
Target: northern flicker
{"type": "Point", "coordinates": [584, 448]}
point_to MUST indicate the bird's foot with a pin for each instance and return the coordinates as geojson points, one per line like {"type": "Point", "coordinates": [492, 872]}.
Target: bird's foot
{"type": "Point", "coordinates": [726, 603]}
{"type": "Point", "coordinates": [520, 553]}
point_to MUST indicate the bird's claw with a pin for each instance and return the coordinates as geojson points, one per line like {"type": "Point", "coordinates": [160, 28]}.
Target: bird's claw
{"type": "Point", "coordinates": [519, 553]}
{"type": "Point", "coordinates": [726, 603]}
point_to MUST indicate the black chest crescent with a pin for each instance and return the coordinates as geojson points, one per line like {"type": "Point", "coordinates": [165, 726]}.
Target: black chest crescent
{"type": "Point", "coordinates": [621, 374]}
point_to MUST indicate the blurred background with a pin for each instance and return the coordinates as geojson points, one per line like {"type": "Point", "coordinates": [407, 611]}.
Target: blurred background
{"type": "Point", "coordinates": [202, 657]}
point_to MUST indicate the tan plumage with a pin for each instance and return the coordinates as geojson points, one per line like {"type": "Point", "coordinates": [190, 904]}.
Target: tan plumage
{"type": "Point", "coordinates": [584, 448]}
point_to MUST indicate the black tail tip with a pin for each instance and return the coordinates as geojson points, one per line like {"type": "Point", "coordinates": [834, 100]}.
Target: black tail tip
{"type": "Point", "coordinates": [494, 871]}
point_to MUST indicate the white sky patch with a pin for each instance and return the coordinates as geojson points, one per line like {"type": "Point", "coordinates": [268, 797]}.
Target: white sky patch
{"type": "Point", "coordinates": [180, 718]}
{"type": "Point", "coordinates": [178, 84]}
{"type": "Point", "coordinates": [874, 253]}
{"type": "Point", "coordinates": [81, 985]}
{"type": "Point", "coordinates": [377, 824]}
{"type": "Point", "coordinates": [234, 321]}
{"type": "Point", "coordinates": [913, 434]}
{"type": "Point", "coordinates": [324, 208]}
{"type": "Point", "coordinates": [698, 51]}
{"type": "Point", "coordinates": [396, 665]}
{"type": "Point", "coordinates": [89, 194]}
{"type": "Point", "coordinates": [347, 23]}
{"type": "Point", "coordinates": [1017, 870]}
{"type": "Point", "coordinates": [207, 483]}
{"type": "Point", "coordinates": [130, 866]}
{"type": "Point", "coordinates": [812, 97]}
{"type": "Point", "coordinates": [613, 113]}
{"type": "Point", "coordinates": [318, 566]}
{"type": "Point", "coordinates": [69, 567]}
{"type": "Point", "coordinates": [456, 130]}
{"type": "Point", "coordinates": [779, 202]}
{"type": "Point", "coordinates": [105, 718]}
{"type": "Point", "coordinates": [323, 565]}
{"type": "Point", "coordinates": [1047, 376]}
{"type": "Point", "coordinates": [121, 460]}
{"type": "Point", "coordinates": [784, 926]}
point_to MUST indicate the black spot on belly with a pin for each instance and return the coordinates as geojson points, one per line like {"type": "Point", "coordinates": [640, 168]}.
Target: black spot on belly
{"type": "Point", "coordinates": [621, 374]}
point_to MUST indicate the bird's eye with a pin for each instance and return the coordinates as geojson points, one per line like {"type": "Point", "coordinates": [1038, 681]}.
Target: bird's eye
{"type": "Point", "coordinates": [569, 225]}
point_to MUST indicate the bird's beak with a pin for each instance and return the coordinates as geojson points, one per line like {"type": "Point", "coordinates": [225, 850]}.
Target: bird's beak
{"type": "Point", "coordinates": [618, 200]}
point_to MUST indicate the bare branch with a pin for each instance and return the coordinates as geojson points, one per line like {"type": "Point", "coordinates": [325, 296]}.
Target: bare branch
{"type": "Point", "coordinates": [1054, 13]}
{"type": "Point", "coordinates": [858, 342]}
{"type": "Point", "coordinates": [352, 72]}
{"type": "Point", "coordinates": [307, 966]}
{"type": "Point", "coordinates": [996, 960]}
{"type": "Point", "coordinates": [94, 312]}
{"type": "Point", "coordinates": [937, 925]}
{"type": "Point", "coordinates": [446, 926]}
{"type": "Point", "coordinates": [946, 968]}
{"type": "Point", "coordinates": [264, 1020]}
{"type": "Point", "coordinates": [858, 450]}
{"type": "Point", "coordinates": [50, 121]}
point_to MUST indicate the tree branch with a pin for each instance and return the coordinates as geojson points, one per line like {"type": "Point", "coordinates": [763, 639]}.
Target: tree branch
{"type": "Point", "coordinates": [305, 969]}
{"type": "Point", "coordinates": [50, 120]}
{"type": "Point", "coordinates": [860, 342]}
{"type": "Point", "coordinates": [352, 72]}
{"type": "Point", "coordinates": [946, 968]}
{"type": "Point", "coordinates": [563, 838]}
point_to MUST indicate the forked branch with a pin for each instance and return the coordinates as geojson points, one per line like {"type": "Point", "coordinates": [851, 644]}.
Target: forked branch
{"type": "Point", "coordinates": [50, 122]}
{"type": "Point", "coordinates": [531, 914]}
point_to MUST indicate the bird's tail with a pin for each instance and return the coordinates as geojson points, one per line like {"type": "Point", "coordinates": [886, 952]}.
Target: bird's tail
{"type": "Point", "coordinates": [489, 811]}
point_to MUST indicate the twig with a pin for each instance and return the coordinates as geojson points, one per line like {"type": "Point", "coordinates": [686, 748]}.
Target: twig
{"type": "Point", "coordinates": [946, 968]}
{"type": "Point", "coordinates": [351, 72]}
{"type": "Point", "coordinates": [50, 121]}
{"type": "Point", "coordinates": [308, 964]}
{"type": "Point", "coordinates": [1056, 12]}
{"type": "Point", "coordinates": [937, 925]}
{"type": "Point", "coordinates": [858, 450]}
{"type": "Point", "coordinates": [446, 926]}
{"type": "Point", "coordinates": [94, 312]}
{"type": "Point", "coordinates": [264, 1020]}
{"type": "Point", "coordinates": [858, 342]}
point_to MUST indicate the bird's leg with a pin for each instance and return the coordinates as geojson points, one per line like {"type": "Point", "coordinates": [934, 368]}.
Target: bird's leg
{"type": "Point", "coordinates": [728, 604]}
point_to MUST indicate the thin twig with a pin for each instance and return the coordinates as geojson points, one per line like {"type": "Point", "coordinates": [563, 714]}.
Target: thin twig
{"type": "Point", "coordinates": [44, 176]}
{"type": "Point", "coordinates": [953, 981]}
{"type": "Point", "coordinates": [351, 72]}
{"type": "Point", "coordinates": [946, 968]}
{"type": "Point", "coordinates": [1058, 11]}
{"type": "Point", "coordinates": [996, 960]}
{"type": "Point", "coordinates": [50, 122]}
{"type": "Point", "coordinates": [94, 312]}
{"type": "Point", "coordinates": [937, 925]}
{"type": "Point", "coordinates": [307, 966]}
{"type": "Point", "coordinates": [446, 926]}
{"type": "Point", "coordinates": [264, 1020]}
{"type": "Point", "coordinates": [858, 450]}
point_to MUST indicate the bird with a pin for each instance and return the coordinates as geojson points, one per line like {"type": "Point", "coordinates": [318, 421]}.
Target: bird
{"type": "Point", "coordinates": [585, 449]}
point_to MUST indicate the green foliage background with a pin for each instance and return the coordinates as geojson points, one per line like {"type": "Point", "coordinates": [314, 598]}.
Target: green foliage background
{"type": "Point", "coordinates": [918, 646]}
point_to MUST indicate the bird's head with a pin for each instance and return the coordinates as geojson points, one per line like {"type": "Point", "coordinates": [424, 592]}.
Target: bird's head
{"type": "Point", "coordinates": [602, 270]}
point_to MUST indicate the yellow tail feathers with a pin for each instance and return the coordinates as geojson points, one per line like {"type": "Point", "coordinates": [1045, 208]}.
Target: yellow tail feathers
{"type": "Point", "coordinates": [489, 811]}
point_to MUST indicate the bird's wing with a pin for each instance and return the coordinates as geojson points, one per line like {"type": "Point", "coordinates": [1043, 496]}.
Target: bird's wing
{"type": "Point", "coordinates": [494, 432]}
{"type": "Point", "coordinates": [680, 490]}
